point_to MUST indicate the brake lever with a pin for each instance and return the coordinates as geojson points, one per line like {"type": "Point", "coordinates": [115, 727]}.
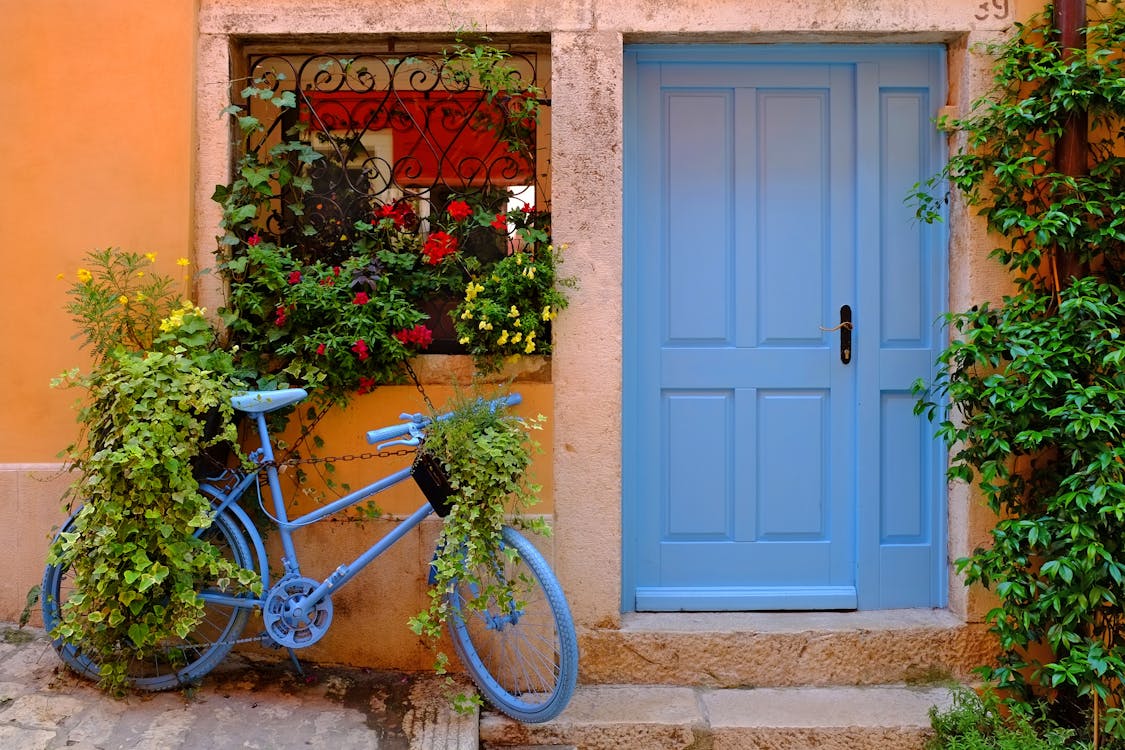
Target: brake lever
{"type": "Point", "coordinates": [412, 441]}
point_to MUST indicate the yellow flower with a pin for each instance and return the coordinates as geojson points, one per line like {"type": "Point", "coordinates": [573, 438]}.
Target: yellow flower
{"type": "Point", "coordinates": [472, 290]}
{"type": "Point", "coordinates": [463, 340]}
{"type": "Point", "coordinates": [530, 346]}
{"type": "Point", "coordinates": [176, 319]}
{"type": "Point", "coordinates": [468, 314]}
{"type": "Point", "coordinates": [517, 338]}
{"type": "Point", "coordinates": [61, 276]}
{"type": "Point", "coordinates": [485, 326]}
{"type": "Point", "coordinates": [183, 262]}
{"type": "Point", "coordinates": [151, 257]}
{"type": "Point", "coordinates": [518, 323]}
{"type": "Point", "coordinates": [514, 312]}
{"type": "Point", "coordinates": [548, 313]}
{"type": "Point", "coordinates": [529, 272]}
{"type": "Point", "coordinates": [141, 297]}
{"type": "Point", "coordinates": [123, 299]}
{"type": "Point", "coordinates": [85, 276]}
{"type": "Point", "coordinates": [503, 338]}
{"type": "Point", "coordinates": [519, 259]}
{"type": "Point", "coordinates": [140, 274]}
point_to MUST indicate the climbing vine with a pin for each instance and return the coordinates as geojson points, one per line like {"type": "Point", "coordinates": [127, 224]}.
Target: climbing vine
{"type": "Point", "coordinates": [1031, 396]}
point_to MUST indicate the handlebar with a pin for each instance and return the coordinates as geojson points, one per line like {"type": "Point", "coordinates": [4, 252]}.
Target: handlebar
{"type": "Point", "coordinates": [416, 422]}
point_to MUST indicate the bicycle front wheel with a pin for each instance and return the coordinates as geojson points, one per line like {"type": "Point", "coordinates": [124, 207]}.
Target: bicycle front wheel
{"type": "Point", "coordinates": [523, 655]}
{"type": "Point", "coordinates": [179, 661]}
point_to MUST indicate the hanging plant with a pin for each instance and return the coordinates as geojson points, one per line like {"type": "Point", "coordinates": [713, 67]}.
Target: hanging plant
{"type": "Point", "coordinates": [474, 470]}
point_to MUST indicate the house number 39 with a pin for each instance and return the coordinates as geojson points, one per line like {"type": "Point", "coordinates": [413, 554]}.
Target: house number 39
{"type": "Point", "coordinates": [991, 9]}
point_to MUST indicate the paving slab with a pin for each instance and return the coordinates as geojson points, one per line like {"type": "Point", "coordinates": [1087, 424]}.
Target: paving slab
{"type": "Point", "coordinates": [251, 701]}
{"type": "Point", "coordinates": [658, 717]}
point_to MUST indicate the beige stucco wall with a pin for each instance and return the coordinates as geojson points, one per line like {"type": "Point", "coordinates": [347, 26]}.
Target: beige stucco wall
{"type": "Point", "coordinates": [128, 151]}
{"type": "Point", "coordinates": [587, 40]}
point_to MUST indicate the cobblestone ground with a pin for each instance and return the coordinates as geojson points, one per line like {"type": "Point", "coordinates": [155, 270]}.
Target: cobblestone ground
{"type": "Point", "coordinates": [247, 703]}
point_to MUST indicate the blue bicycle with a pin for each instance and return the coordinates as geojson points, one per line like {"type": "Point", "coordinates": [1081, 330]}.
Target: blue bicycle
{"type": "Point", "coordinates": [522, 652]}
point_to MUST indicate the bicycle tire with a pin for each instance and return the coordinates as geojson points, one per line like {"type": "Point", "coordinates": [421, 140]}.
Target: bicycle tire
{"type": "Point", "coordinates": [525, 663]}
{"type": "Point", "coordinates": [184, 660]}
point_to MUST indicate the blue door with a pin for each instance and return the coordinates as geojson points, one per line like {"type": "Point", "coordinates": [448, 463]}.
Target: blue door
{"type": "Point", "coordinates": [780, 301]}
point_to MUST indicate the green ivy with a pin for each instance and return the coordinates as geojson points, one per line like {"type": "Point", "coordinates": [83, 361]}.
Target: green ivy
{"type": "Point", "coordinates": [148, 413]}
{"type": "Point", "coordinates": [485, 452]}
{"type": "Point", "coordinates": [1031, 397]}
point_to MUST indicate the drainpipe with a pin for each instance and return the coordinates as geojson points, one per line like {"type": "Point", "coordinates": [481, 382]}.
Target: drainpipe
{"type": "Point", "coordinates": [1070, 149]}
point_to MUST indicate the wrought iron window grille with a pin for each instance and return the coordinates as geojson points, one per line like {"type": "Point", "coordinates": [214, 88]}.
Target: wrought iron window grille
{"type": "Point", "coordinates": [395, 129]}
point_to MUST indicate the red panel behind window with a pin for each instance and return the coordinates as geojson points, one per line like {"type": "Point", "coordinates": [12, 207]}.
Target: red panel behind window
{"type": "Point", "coordinates": [438, 137]}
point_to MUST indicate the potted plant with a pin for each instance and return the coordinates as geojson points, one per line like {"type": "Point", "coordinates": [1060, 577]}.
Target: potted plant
{"type": "Point", "coordinates": [473, 468]}
{"type": "Point", "coordinates": [131, 553]}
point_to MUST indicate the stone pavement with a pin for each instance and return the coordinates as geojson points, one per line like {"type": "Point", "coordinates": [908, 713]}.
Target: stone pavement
{"type": "Point", "coordinates": [249, 702]}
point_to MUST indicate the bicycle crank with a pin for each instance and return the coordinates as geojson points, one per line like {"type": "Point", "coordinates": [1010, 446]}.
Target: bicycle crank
{"type": "Point", "coordinates": [288, 622]}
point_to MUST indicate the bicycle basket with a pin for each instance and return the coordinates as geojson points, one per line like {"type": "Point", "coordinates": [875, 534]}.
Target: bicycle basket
{"type": "Point", "coordinates": [430, 476]}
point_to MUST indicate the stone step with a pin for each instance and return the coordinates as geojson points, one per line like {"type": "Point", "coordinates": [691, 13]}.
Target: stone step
{"type": "Point", "coordinates": [785, 649]}
{"type": "Point", "coordinates": [610, 717]}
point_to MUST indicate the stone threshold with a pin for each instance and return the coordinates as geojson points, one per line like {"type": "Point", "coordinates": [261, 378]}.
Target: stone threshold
{"type": "Point", "coordinates": [785, 649]}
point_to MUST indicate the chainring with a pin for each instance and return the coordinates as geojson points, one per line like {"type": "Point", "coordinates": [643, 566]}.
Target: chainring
{"type": "Point", "coordinates": [286, 620]}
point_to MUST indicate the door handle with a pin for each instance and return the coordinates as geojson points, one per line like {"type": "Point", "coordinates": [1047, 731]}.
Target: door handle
{"type": "Point", "coordinates": [845, 328]}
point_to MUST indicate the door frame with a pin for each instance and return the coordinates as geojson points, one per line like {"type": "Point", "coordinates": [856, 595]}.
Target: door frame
{"type": "Point", "coordinates": [866, 60]}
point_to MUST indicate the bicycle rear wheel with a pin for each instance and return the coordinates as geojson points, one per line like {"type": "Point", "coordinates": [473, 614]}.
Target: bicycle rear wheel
{"type": "Point", "coordinates": [524, 655]}
{"type": "Point", "coordinates": [181, 661]}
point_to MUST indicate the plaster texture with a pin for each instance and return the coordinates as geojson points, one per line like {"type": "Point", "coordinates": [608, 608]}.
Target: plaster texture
{"type": "Point", "coordinates": [151, 191]}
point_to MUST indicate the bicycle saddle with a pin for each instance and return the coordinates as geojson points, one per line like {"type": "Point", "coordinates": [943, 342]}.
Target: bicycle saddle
{"type": "Point", "coordinates": [255, 402]}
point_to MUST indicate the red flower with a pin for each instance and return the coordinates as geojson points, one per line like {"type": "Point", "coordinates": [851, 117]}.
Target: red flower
{"type": "Point", "coordinates": [459, 210]}
{"type": "Point", "coordinates": [253, 239]}
{"type": "Point", "coordinates": [295, 277]}
{"type": "Point", "coordinates": [279, 319]}
{"type": "Point", "coordinates": [419, 336]}
{"type": "Point", "coordinates": [360, 349]}
{"type": "Point", "coordinates": [366, 385]}
{"type": "Point", "coordinates": [528, 208]}
{"type": "Point", "coordinates": [361, 298]}
{"type": "Point", "coordinates": [320, 350]}
{"type": "Point", "coordinates": [399, 213]}
{"type": "Point", "coordinates": [335, 270]}
{"type": "Point", "coordinates": [500, 222]}
{"type": "Point", "coordinates": [438, 245]}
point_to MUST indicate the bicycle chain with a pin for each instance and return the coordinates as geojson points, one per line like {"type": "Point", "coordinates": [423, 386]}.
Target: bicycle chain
{"type": "Point", "coordinates": [347, 457]}
{"type": "Point", "coordinates": [306, 431]}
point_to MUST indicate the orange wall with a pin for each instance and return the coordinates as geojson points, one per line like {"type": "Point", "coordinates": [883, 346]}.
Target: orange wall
{"type": "Point", "coordinates": [97, 101]}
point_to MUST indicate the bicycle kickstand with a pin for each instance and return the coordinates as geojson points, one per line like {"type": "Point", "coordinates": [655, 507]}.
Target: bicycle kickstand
{"type": "Point", "coordinates": [296, 662]}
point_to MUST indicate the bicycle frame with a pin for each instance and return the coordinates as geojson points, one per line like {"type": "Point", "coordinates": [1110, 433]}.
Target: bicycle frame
{"type": "Point", "coordinates": [521, 653]}
{"type": "Point", "coordinates": [286, 526]}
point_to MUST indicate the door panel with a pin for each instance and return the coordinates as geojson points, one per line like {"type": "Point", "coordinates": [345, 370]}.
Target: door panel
{"type": "Point", "coordinates": [757, 205]}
